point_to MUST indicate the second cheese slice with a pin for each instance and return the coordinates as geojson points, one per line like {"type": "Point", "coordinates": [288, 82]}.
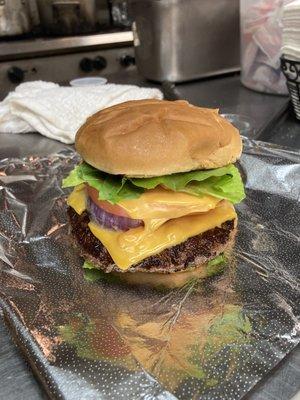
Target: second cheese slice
{"type": "Point", "coordinates": [130, 247]}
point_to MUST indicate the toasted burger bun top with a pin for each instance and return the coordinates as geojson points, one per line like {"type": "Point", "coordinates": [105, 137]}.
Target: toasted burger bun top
{"type": "Point", "coordinates": [156, 137]}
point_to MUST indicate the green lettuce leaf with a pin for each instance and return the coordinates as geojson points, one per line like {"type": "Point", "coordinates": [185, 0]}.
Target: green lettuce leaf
{"type": "Point", "coordinates": [223, 183]}
{"type": "Point", "coordinates": [93, 274]}
{"type": "Point", "coordinates": [113, 188]}
{"type": "Point", "coordinates": [220, 259]}
{"type": "Point", "coordinates": [216, 265]}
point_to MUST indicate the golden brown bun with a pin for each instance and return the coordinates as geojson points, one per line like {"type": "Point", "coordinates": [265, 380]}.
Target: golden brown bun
{"type": "Point", "coordinates": [157, 137]}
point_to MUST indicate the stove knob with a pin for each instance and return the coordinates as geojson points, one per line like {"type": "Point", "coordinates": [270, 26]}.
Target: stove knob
{"type": "Point", "coordinates": [127, 60]}
{"type": "Point", "coordinates": [86, 64]}
{"type": "Point", "coordinates": [15, 74]}
{"type": "Point", "coordinates": [99, 63]}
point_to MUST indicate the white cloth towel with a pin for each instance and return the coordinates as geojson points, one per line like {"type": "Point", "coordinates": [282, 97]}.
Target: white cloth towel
{"type": "Point", "coordinates": [57, 112]}
{"type": "Point", "coordinates": [291, 30]}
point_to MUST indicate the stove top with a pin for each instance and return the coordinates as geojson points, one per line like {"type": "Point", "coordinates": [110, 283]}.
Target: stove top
{"type": "Point", "coordinates": [63, 59]}
{"type": "Point", "coordinates": [43, 46]}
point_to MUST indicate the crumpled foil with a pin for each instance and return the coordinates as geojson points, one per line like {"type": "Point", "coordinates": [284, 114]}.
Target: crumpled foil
{"type": "Point", "coordinates": [213, 339]}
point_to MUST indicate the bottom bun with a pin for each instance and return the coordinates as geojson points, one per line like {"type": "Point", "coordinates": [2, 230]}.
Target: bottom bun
{"type": "Point", "coordinates": [173, 280]}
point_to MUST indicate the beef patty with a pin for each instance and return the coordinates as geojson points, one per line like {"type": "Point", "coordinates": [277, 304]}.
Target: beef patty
{"type": "Point", "coordinates": [193, 252]}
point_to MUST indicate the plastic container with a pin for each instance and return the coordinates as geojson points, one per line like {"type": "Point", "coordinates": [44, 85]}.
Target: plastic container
{"type": "Point", "coordinates": [291, 70]}
{"type": "Point", "coordinates": [89, 81]}
{"type": "Point", "coordinates": [261, 33]}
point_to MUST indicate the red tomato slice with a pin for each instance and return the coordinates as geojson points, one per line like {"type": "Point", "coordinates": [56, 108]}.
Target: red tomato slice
{"type": "Point", "coordinates": [105, 205]}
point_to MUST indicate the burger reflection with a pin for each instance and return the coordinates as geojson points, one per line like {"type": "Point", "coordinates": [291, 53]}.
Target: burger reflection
{"type": "Point", "coordinates": [175, 335]}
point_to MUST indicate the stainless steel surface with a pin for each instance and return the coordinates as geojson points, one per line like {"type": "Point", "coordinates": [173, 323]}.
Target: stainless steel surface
{"type": "Point", "coordinates": [231, 97]}
{"type": "Point", "coordinates": [34, 12]}
{"type": "Point", "coordinates": [14, 17]}
{"type": "Point", "coordinates": [40, 47]}
{"type": "Point", "coordinates": [67, 17]}
{"type": "Point", "coordinates": [65, 67]}
{"type": "Point", "coordinates": [14, 373]}
{"type": "Point", "coordinates": [282, 383]}
{"type": "Point", "coordinates": [180, 40]}
{"type": "Point", "coordinates": [285, 131]}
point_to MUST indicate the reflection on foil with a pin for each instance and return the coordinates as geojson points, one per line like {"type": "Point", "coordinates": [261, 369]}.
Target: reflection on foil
{"type": "Point", "coordinates": [212, 339]}
{"type": "Point", "coordinates": [175, 341]}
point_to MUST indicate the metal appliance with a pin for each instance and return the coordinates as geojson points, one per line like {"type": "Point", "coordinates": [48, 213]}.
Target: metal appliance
{"type": "Point", "coordinates": [120, 13]}
{"type": "Point", "coordinates": [181, 40]}
{"type": "Point", "coordinates": [14, 17]}
{"type": "Point", "coordinates": [62, 59]}
{"type": "Point", "coordinates": [67, 17]}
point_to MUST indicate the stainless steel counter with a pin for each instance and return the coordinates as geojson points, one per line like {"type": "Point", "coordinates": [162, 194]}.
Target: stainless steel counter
{"type": "Point", "coordinates": [258, 110]}
{"type": "Point", "coordinates": [269, 120]}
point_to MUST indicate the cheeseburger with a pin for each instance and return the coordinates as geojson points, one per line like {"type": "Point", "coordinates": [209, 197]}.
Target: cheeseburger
{"type": "Point", "coordinates": [153, 196]}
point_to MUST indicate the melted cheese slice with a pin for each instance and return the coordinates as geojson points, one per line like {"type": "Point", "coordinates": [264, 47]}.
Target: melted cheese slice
{"type": "Point", "coordinates": [77, 199]}
{"type": "Point", "coordinates": [162, 203]}
{"type": "Point", "coordinates": [153, 204]}
{"type": "Point", "coordinates": [130, 247]}
{"type": "Point", "coordinates": [169, 217]}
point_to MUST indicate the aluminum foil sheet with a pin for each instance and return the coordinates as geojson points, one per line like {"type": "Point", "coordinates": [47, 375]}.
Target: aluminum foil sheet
{"type": "Point", "coordinates": [103, 340]}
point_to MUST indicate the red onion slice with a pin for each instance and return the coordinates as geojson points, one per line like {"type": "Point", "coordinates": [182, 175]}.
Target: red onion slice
{"type": "Point", "coordinates": [112, 221]}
